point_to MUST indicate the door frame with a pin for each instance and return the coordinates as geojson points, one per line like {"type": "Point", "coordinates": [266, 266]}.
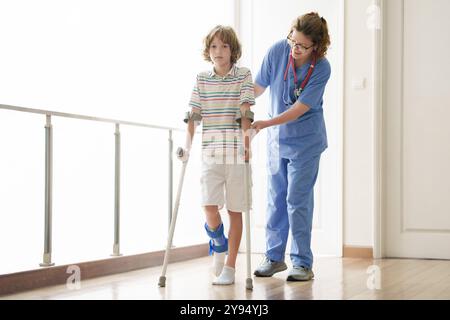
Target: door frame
{"type": "Point", "coordinates": [377, 143]}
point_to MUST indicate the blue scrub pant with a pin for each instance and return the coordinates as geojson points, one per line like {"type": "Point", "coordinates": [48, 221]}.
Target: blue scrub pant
{"type": "Point", "coordinates": [290, 207]}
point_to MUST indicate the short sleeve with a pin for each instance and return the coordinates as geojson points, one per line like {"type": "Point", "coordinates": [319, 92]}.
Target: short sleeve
{"type": "Point", "coordinates": [247, 90]}
{"type": "Point", "coordinates": [264, 74]}
{"type": "Point", "coordinates": [312, 95]}
{"type": "Point", "coordinates": [195, 98]}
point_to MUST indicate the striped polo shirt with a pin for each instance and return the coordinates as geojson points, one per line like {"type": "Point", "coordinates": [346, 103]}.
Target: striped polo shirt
{"type": "Point", "coordinates": [218, 100]}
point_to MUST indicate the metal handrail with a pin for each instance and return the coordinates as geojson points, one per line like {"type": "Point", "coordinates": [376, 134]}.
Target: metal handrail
{"type": "Point", "coordinates": [47, 260]}
{"type": "Point", "coordinates": [84, 117]}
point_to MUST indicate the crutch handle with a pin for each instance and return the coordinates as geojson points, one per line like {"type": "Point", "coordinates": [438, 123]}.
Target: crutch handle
{"type": "Point", "coordinates": [180, 152]}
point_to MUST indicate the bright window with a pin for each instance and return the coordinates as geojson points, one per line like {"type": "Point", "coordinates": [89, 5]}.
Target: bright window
{"type": "Point", "coordinates": [130, 60]}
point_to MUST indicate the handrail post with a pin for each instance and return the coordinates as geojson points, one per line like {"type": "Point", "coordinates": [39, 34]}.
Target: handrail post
{"type": "Point", "coordinates": [47, 257]}
{"type": "Point", "coordinates": [116, 246]}
{"type": "Point", "coordinates": [170, 177]}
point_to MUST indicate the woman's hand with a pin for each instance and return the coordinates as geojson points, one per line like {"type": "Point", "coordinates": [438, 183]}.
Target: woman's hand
{"type": "Point", "coordinates": [259, 125]}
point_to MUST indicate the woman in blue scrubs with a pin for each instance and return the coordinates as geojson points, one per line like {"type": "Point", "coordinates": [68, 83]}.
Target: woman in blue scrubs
{"type": "Point", "coordinates": [297, 72]}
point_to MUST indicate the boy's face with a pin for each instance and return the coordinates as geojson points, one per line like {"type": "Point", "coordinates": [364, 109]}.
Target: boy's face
{"type": "Point", "coordinates": [219, 52]}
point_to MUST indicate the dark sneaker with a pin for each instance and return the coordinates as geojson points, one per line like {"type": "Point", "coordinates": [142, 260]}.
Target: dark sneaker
{"type": "Point", "coordinates": [268, 268]}
{"type": "Point", "coordinates": [300, 274]}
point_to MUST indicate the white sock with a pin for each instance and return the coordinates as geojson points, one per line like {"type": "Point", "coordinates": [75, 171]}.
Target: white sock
{"type": "Point", "coordinates": [226, 277]}
{"type": "Point", "coordinates": [218, 262]}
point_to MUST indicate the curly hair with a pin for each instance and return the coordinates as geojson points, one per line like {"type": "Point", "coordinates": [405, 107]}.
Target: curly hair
{"type": "Point", "coordinates": [226, 35]}
{"type": "Point", "coordinates": [316, 28]}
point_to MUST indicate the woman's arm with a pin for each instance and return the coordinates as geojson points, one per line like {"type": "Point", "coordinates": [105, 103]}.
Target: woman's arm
{"type": "Point", "coordinates": [297, 110]}
{"type": "Point", "coordinates": [258, 90]}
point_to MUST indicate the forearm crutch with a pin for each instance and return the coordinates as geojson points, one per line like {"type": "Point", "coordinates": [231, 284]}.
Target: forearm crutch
{"type": "Point", "coordinates": [248, 190]}
{"type": "Point", "coordinates": [162, 278]}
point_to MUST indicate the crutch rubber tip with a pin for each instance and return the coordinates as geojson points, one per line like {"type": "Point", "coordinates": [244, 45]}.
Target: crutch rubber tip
{"type": "Point", "coordinates": [162, 281]}
{"type": "Point", "coordinates": [249, 283]}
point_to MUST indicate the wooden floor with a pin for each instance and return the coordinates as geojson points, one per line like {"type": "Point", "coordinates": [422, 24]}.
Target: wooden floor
{"type": "Point", "coordinates": [336, 278]}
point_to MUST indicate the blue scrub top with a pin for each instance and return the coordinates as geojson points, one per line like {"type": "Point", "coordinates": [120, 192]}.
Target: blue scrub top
{"type": "Point", "coordinates": [306, 136]}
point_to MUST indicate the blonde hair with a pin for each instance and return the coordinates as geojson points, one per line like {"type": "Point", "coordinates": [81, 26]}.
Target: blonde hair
{"type": "Point", "coordinates": [314, 27]}
{"type": "Point", "coordinates": [226, 35]}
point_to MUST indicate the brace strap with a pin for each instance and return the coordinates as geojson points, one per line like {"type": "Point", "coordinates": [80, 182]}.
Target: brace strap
{"type": "Point", "coordinates": [218, 242]}
{"type": "Point", "coordinates": [248, 114]}
{"type": "Point", "coordinates": [192, 116]}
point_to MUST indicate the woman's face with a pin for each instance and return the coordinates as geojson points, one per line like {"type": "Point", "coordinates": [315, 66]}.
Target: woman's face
{"type": "Point", "coordinates": [301, 45]}
{"type": "Point", "coordinates": [219, 52]}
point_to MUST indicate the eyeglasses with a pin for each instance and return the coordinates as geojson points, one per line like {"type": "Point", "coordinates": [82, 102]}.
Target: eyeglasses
{"type": "Point", "coordinates": [298, 46]}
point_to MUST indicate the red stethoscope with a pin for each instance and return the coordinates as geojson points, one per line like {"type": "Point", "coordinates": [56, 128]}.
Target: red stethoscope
{"type": "Point", "coordinates": [298, 91]}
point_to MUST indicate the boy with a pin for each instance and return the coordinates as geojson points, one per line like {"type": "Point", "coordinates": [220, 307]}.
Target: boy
{"type": "Point", "coordinates": [221, 99]}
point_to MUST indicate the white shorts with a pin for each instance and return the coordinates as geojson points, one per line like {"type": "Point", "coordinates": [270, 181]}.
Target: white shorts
{"type": "Point", "coordinates": [223, 184]}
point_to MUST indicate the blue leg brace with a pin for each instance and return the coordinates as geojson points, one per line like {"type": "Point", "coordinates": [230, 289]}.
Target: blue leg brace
{"type": "Point", "coordinates": [218, 242]}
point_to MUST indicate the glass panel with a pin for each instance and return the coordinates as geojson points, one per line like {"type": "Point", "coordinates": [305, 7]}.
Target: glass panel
{"type": "Point", "coordinates": [189, 229]}
{"type": "Point", "coordinates": [83, 190]}
{"type": "Point", "coordinates": [21, 190]}
{"type": "Point", "coordinates": [144, 206]}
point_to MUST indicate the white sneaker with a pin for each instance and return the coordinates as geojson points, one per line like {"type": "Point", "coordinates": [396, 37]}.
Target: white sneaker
{"type": "Point", "coordinates": [218, 262]}
{"type": "Point", "coordinates": [226, 277]}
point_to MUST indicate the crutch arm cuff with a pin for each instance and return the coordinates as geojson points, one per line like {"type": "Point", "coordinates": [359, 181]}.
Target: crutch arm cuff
{"type": "Point", "coordinates": [248, 115]}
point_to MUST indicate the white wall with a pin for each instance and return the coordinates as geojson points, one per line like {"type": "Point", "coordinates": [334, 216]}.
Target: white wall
{"type": "Point", "coordinates": [358, 124]}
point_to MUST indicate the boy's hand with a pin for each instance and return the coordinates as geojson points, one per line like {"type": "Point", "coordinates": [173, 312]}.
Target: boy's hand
{"type": "Point", "coordinates": [247, 137]}
{"type": "Point", "coordinates": [182, 154]}
{"type": "Point", "coordinates": [251, 132]}
{"type": "Point", "coordinates": [247, 155]}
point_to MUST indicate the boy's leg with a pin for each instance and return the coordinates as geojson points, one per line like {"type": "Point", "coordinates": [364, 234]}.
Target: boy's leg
{"type": "Point", "coordinates": [238, 199]}
{"type": "Point", "coordinates": [212, 181]}
{"type": "Point", "coordinates": [236, 202]}
{"type": "Point", "coordinates": [234, 237]}
{"type": "Point", "coordinates": [212, 217]}
{"type": "Point", "coordinates": [226, 277]}
{"type": "Point", "coordinates": [218, 242]}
